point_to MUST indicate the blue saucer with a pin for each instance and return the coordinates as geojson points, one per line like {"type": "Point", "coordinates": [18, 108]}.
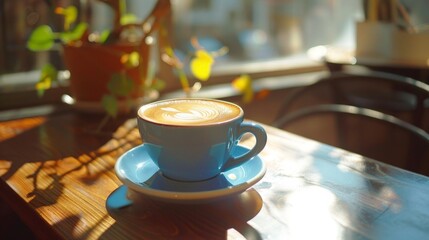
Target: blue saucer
{"type": "Point", "coordinates": [137, 171]}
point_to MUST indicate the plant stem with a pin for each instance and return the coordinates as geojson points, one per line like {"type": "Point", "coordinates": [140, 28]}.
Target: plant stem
{"type": "Point", "coordinates": [184, 82]}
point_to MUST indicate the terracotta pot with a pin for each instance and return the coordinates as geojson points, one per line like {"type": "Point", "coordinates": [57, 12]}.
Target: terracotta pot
{"type": "Point", "coordinates": [91, 67]}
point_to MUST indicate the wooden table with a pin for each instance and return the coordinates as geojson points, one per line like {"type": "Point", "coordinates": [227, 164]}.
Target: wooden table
{"type": "Point", "coordinates": [57, 173]}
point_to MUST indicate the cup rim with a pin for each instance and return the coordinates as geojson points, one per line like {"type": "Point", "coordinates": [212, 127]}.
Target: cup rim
{"type": "Point", "coordinates": [143, 107]}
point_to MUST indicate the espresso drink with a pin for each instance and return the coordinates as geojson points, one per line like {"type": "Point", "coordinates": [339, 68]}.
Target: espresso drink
{"type": "Point", "coordinates": [189, 112]}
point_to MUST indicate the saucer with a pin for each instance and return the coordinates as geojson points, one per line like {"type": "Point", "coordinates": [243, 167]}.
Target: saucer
{"type": "Point", "coordinates": [138, 172]}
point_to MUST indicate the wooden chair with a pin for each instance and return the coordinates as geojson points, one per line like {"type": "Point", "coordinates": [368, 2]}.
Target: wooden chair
{"type": "Point", "coordinates": [402, 97]}
{"type": "Point", "coordinates": [364, 131]}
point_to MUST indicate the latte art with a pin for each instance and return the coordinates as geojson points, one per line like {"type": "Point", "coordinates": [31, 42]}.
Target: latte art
{"type": "Point", "coordinates": [190, 112]}
{"type": "Point", "coordinates": [195, 114]}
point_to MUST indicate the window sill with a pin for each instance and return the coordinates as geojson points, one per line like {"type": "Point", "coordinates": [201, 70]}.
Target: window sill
{"type": "Point", "coordinates": [17, 90]}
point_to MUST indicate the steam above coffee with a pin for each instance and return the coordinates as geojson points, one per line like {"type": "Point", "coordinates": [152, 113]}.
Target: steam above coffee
{"type": "Point", "coordinates": [189, 112]}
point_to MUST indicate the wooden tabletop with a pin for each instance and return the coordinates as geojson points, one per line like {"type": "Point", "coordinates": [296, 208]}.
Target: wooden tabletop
{"type": "Point", "coordinates": [57, 173]}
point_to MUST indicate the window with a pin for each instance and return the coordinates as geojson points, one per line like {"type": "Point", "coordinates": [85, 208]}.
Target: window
{"type": "Point", "coordinates": [272, 35]}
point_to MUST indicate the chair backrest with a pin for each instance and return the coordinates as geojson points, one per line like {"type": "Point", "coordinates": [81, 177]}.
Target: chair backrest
{"type": "Point", "coordinates": [400, 96]}
{"type": "Point", "coordinates": [364, 131]}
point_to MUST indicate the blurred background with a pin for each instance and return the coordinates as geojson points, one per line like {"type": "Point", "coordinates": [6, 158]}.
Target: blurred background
{"type": "Point", "coordinates": [268, 38]}
{"type": "Point", "coordinates": [253, 30]}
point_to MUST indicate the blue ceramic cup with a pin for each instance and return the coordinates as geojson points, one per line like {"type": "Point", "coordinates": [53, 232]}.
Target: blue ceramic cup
{"type": "Point", "coordinates": [193, 139]}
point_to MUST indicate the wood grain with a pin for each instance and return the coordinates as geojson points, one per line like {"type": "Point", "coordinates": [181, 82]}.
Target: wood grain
{"type": "Point", "coordinates": [57, 173]}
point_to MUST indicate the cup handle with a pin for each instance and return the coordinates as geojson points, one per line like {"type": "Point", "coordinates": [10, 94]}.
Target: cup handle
{"type": "Point", "coordinates": [261, 139]}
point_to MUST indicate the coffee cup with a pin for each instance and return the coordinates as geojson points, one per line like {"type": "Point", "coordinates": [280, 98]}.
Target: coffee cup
{"type": "Point", "coordinates": [193, 139]}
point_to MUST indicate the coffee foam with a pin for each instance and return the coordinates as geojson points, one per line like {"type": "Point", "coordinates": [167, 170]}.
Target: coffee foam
{"type": "Point", "coordinates": [188, 112]}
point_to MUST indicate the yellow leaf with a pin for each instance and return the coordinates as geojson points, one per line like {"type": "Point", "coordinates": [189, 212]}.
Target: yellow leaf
{"type": "Point", "coordinates": [169, 51]}
{"type": "Point", "coordinates": [204, 55]}
{"type": "Point", "coordinates": [131, 60]}
{"type": "Point", "coordinates": [201, 65]}
{"type": "Point", "coordinates": [243, 84]}
{"type": "Point", "coordinates": [42, 85]}
{"type": "Point", "coordinates": [134, 59]}
{"type": "Point", "coordinates": [70, 15]}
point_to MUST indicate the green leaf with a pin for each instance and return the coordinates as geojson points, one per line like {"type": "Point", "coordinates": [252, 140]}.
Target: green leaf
{"type": "Point", "coordinates": [120, 85]}
{"type": "Point", "coordinates": [74, 34]}
{"type": "Point", "coordinates": [103, 36]}
{"type": "Point", "coordinates": [110, 104]}
{"type": "Point", "coordinates": [128, 19]}
{"type": "Point", "coordinates": [49, 71]}
{"type": "Point", "coordinates": [41, 39]}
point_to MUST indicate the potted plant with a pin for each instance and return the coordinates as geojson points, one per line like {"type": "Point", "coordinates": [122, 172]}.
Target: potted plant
{"type": "Point", "coordinates": [112, 67]}
{"type": "Point", "coordinates": [105, 68]}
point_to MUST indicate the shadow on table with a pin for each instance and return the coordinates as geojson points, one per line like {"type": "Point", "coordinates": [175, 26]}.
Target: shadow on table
{"type": "Point", "coordinates": [58, 147]}
{"type": "Point", "coordinates": [149, 218]}
{"type": "Point", "coordinates": [59, 137]}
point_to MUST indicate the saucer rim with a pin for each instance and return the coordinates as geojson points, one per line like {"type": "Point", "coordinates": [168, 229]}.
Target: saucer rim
{"type": "Point", "coordinates": [190, 196]}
